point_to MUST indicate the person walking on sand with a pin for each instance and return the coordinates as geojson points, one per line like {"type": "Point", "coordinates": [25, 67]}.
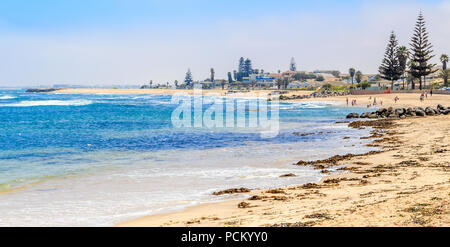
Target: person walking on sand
{"type": "Point", "coordinates": [347, 101]}
{"type": "Point", "coordinates": [431, 93]}
{"type": "Point", "coordinates": [396, 99]}
{"type": "Point", "coordinates": [426, 94]}
{"type": "Point", "coordinates": [374, 101]}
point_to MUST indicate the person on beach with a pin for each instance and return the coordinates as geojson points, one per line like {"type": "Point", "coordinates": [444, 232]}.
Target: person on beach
{"type": "Point", "coordinates": [347, 101]}
{"type": "Point", "coordinates": [426, 94]}
{"type": "Point", "coordinates": [396, 99]}
{"type": "Point", "coordinates": [374, 101]}
{"type": "Point", "coordinates": [431, 93]}
{"type": "Point", "coordinates": [421, 97]}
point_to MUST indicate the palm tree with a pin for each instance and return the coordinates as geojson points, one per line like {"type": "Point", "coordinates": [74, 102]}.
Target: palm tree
{"type": "Point", "coordinates": [352, 72]}
{"type": "Point", "coordinates": [444, 75]}
{"type": "Point", "coordinates": [358, 76]}
{"type": "Point", "coordinates": [444, 60]}
{"type": "Point", "coordinates": [403, 55]}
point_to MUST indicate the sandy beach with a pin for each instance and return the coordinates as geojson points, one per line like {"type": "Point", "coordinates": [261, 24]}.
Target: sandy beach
{"type": "Point", "coordinates": [387, 100]}
{"type": "Point", "coordinates": [407, 183]}
{"type": "Point", "coordinates": [209, 92]}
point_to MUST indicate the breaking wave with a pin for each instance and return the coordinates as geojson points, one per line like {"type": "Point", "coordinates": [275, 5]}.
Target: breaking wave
{"type": "Point", "coordinates": [50, 103]}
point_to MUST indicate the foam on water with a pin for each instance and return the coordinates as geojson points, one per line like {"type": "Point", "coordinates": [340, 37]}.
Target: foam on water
{"type": "Point", "coordinates": [7, 97]}
{"type": "Point", "coordinates": [49, 103]}
{"type": "Point", "coordinates": [119, 157]}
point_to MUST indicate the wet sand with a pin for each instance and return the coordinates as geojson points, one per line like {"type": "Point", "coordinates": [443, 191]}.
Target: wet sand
{"type": "Point", "coordinates": [407, 184]}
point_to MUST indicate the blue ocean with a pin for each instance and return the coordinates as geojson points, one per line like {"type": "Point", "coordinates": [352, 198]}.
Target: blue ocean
{"type": "Point", "coordinates": [97, 160]}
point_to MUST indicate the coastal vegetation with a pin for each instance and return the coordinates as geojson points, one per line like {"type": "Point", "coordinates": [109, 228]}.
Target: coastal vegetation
{"type": "Point", "coordinates": [422, 51]}
{"type": "Point", "coordinates": [402, 68]}
{"type": "Point", "coordinates": [445, 71]}
{"type": "Point", "coordinates": [390, 68]}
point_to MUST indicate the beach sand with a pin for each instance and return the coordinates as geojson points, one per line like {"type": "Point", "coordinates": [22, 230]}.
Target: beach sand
{"type": "Point", "coordinates": [406, 184]}
{"type": "Point", "coordinates": [405, 100]}
{"type": "Point", "coordinates": [209, 92]}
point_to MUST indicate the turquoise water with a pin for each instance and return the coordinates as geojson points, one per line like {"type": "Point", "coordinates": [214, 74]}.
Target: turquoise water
{"type": "Point", "coordinates": [116, 157]}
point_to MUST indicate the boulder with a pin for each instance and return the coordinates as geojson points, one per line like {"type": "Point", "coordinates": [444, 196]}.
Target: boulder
{"type": "Point", "coordinates": [420, 113]}
{"type": "Point", "coordinates": [381, 111]}
{"type": "Point", "coordinates": [419, 109]}
{"type": "Point", "coordinates": [430, 111]}
{"type": "Point", "coordinates": [353, 115]}
{"type": "Point", "coordinates": [400, 111]}
{"type": "Point", "coordinates": [446, 112]}
{"type": "Point", "coordinates": [372, 115]}
{"type": "Point", "coordinates": [365, 115]}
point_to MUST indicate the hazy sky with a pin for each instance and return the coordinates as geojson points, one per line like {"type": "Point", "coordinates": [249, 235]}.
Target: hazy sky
{"type": "Point", "coordinates": [133, 41]}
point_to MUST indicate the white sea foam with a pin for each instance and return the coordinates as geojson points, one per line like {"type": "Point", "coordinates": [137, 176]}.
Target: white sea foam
{"type": "Point", "coordinates": [7, 97]}
{"type": "Point", "coordinates": [49, 103]}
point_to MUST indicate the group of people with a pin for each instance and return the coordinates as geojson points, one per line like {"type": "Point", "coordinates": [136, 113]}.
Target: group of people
{"type": "Point", "coordinates": [372, 102]}
{"type": "Point", "coordinates": [353, 102]}
{"type": "Point", "coordinates": [424, 95]}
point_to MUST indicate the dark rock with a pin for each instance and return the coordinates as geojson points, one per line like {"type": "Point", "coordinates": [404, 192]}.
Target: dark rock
{"type": "Point", "coordinates": [353, 115]}
{"type": "Point", "coordinates": [420, 113]}
{"type": "Point", "coordinates": [365, 115]}
{"type": "Point", "coordinates": [430, 111]}
{"type": "Point", "coordinates": [400, 111]}
{"type": "Point", "coordinates": [41, 90]}
{"type": "Point", "coordinates": [419, 109]}
{"type": "Point", "coordinates": [287, 175]}
{"type": "Point", "coordinates": [446, 112]}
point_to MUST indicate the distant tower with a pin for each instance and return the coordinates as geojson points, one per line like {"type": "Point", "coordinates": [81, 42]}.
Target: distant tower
{"type": "Point", "coordinates": [293, 66]}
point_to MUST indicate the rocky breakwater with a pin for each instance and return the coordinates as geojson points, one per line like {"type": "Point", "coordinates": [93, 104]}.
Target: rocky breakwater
{"type": "Point", "coordinates": [324, 94]}
{"type": "Point", "coordinates": [41, 90]}
{"type": "Point", "coordinates": [402, 112]}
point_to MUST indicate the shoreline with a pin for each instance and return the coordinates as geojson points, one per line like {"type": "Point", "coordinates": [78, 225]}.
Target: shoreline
{"type": "Point", "coordinates": [413, 175]}
{"type": "Point", "coordinates": [383, 100]}
{"type": "Point", "coordinates": [418, 182]}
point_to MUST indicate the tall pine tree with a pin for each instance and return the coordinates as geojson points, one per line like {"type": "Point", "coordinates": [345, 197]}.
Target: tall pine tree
{"type": "Point", "coordinates": [390, 68]}
{"type": "Point", "coordinates": [188, 79]}
{"type": "Point", "coordinates": [421, 52]}
{"type": "Point", "coordinates": [212, 75]}
{"type": "Point", "coordinates": [241, 69]}
{"type": "Point", "coordinates": [248, 67]}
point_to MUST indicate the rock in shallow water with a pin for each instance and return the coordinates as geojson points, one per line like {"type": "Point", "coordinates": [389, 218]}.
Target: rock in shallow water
{"type": "Point", "coordinates": [353, 115]}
